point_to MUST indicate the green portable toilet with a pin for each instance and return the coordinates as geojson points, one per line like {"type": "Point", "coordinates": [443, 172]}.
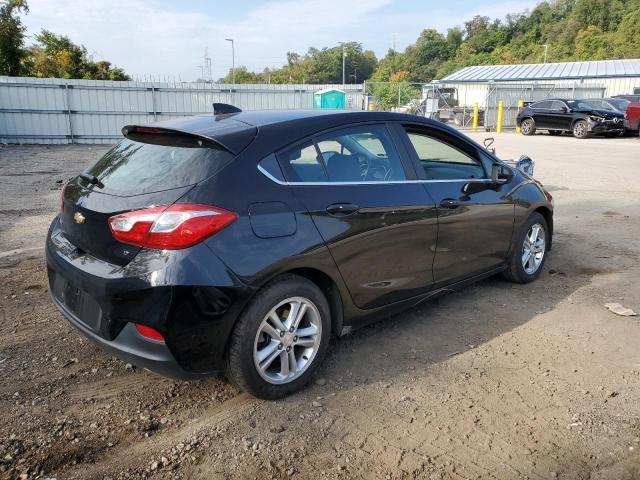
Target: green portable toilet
{"type": "Point", "coordinates": [330, 98]}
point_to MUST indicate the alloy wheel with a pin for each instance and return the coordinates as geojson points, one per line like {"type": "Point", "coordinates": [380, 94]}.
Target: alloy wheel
{"type": "Point", "coordinates": [533, 249]}
{"type": "Point", "coordinates": [526, 126]}
{"type": "Point", "coordinates": [287, 340]}
{"type": "Point", "coordinates": [579, 129]}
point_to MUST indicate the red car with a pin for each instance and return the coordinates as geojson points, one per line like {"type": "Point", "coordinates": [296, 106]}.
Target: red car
{"type": "Point", "coordinates": [632, 117]}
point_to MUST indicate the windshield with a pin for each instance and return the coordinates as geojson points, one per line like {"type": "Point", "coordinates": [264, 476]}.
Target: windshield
{"type": "Point", "coordinates": [134, 168]}
{"type": "Point", "coordinates": [619, 104]}
{"type": "Point", "coordinates": [601, 105]}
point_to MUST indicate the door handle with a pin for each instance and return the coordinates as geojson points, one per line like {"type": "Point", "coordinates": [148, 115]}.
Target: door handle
{"type": "Point", "coordinates": [342, 209]}
{"type": "Point", "coordinates": [450, 203]}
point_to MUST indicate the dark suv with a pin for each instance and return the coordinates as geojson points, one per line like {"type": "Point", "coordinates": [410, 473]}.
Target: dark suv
{"type": "Point", "coordinates": [244, 241]}
{"type": "Point", "coordinates": [576, 116]}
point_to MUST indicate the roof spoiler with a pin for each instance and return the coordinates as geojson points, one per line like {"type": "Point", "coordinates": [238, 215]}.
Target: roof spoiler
{"type": "Point", "coordinates": [169, 137]}
{"type": "Point", "coordinates": [224, 108]}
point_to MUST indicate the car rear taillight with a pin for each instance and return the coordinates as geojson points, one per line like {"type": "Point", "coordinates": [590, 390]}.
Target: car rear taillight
{"type": "Point", "coordinates": [169, 228]}
{"type": "Point", "coordinates": [149, 332]}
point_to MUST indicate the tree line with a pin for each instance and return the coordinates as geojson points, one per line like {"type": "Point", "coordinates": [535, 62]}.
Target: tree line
{"type": "Point", "coordinates": [573, 30]}
{"type": "Point", "coordinates": [51, 56]}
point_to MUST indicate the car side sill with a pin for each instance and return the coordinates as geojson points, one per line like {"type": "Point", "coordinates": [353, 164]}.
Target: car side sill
{"type": "Point", "coordinates": [387, 310]}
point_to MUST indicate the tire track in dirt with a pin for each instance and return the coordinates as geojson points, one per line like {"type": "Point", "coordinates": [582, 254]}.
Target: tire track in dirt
{"type": "Point", "coordinates": [132, 455]}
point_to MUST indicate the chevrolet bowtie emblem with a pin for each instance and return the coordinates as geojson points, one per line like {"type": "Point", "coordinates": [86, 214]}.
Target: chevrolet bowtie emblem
{"type": "Point", "coordinates": [79, 218]}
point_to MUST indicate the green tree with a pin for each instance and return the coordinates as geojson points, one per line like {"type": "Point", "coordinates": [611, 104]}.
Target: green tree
{"type": "Point", "coordinates": [316, 66]}
{"type": "Point", "coordinates": [423, 58]}
{"type": "Point", "coordinates": [57, 56]}
{"type": "Point", "coordinates": [592, 44]}
{"type": "Point", "coordinates": [12, 52]}
{"type": "Point", "coordinates": [627, 36]}
{"type": "Point", "coordinates": [244, 76]}
{"type": "Point", "coordinates": [392, 63]}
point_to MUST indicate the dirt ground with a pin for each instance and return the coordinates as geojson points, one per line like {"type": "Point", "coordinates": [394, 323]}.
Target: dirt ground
{"type": "Point", "coordinates": [498, 381]}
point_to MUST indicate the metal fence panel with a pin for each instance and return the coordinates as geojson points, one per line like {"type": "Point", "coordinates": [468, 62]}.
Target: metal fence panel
{"type": "Point", "coordinates": [53, 110]}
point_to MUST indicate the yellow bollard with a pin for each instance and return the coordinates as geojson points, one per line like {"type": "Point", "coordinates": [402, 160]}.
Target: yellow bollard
{"type": "Point", "coordinates": [520, 107]}
{"type": "Point", "coordinates": [475, 116]}
{"type": "Point", "coordinates": [500, 109]}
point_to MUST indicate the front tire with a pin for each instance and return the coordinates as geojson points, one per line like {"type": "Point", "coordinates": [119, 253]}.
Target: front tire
{"type": "Point", "coordinates": [280, 339]}
{"type": "Point", "coordinates": [529, 253]}
{"type": "Point", "coordinates": [581, 129]}
{"type": "Point", "coordinates": [528, 126]}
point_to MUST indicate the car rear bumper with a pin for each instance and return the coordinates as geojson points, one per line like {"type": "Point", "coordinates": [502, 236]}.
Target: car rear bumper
{"type": "Point", "coordinates": [133, 348]}
{"type": "Point", "coordinates": [188, 295]}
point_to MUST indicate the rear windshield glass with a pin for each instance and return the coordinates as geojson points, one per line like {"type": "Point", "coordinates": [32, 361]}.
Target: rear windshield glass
{"type": "Point", "coordinates": [133, 168]}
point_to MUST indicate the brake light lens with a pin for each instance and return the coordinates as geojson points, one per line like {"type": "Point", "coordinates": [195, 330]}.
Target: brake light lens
{"type": "Point", "coordinates": [170, 227]}
{"type": "Point", "coordinates": [149, 332]}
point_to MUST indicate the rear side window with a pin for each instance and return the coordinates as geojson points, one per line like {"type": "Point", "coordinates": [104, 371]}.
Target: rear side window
{"type": "Point", "coordinates": [541, 105]}
{"type": "Point", "coordinates": [556, 105]}
{"type": "Point", "coordinates": [348, 155]}
{"type": "Point", "coordinates": [134, 168]}
{"type": "Point", "coordinates": [302, 164]}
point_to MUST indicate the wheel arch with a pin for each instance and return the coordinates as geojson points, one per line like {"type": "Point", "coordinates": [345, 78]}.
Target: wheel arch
{"type": "Point", "coordinates": [330, 289]}
{"type": "Point", "coordinates": [578, 119]}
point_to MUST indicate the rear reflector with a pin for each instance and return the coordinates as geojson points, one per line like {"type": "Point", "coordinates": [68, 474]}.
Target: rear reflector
{"type": "Point", "coordinates": [170, 228]}
{"type": "Point", "coordinates": [149, 332]}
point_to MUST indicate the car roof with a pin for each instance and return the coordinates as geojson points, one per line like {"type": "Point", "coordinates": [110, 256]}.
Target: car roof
{"type": "Point", "coordinates": [258, 118]}
{"type": "Point", "coordinates": [235, 131]}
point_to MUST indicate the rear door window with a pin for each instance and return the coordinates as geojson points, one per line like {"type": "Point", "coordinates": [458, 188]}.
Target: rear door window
{"type": "Point", "coordinates": [544, 105]}
{"type": "Point", "coordinates": [349, 155]}
{"type": "Point", "coordinates": [556, 105]}
{"type": "Point", "coordinates": [134, 168]}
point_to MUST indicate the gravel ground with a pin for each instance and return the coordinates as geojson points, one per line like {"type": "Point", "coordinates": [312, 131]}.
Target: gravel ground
{"type": "Point", "coordinates": [498, 381]}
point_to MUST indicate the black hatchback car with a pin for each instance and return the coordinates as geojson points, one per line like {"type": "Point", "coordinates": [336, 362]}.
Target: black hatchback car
{"type": "Point", "coordinates": [242, 242]}
{"type": "Point", "coordinates": [576, 116]}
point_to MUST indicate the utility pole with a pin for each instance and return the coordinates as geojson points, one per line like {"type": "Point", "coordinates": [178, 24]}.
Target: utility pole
{"type": "Point", "coordinates": [344, 56]}
{"type": "Point", "coordinates": [233, 60]}
{"type": "Point", "coordinates": [207, 74]}
{"type": "Point", "coordinates": [545, 52]}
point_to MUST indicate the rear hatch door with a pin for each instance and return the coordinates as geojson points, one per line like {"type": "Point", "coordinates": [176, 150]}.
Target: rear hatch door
{"type": "Point", "coordinates": [152, 170]}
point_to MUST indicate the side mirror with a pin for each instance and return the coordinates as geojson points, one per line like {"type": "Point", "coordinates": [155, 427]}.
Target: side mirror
{"type": "Point", "coordinates": [500, 174]}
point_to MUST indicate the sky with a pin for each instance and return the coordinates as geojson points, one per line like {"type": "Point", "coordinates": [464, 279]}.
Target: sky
{"type": "Point", "coordinates": [167, 39]}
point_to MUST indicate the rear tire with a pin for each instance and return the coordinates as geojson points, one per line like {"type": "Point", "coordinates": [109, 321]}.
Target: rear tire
{"type": "Point", "coordinates": [528, 255]}
{"type": "Point", "coordinates": [270, 358]}
{"type": "Point", "coordinates": [581, 129]}
{"type": "Point", "coordinates": [528, 126]}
